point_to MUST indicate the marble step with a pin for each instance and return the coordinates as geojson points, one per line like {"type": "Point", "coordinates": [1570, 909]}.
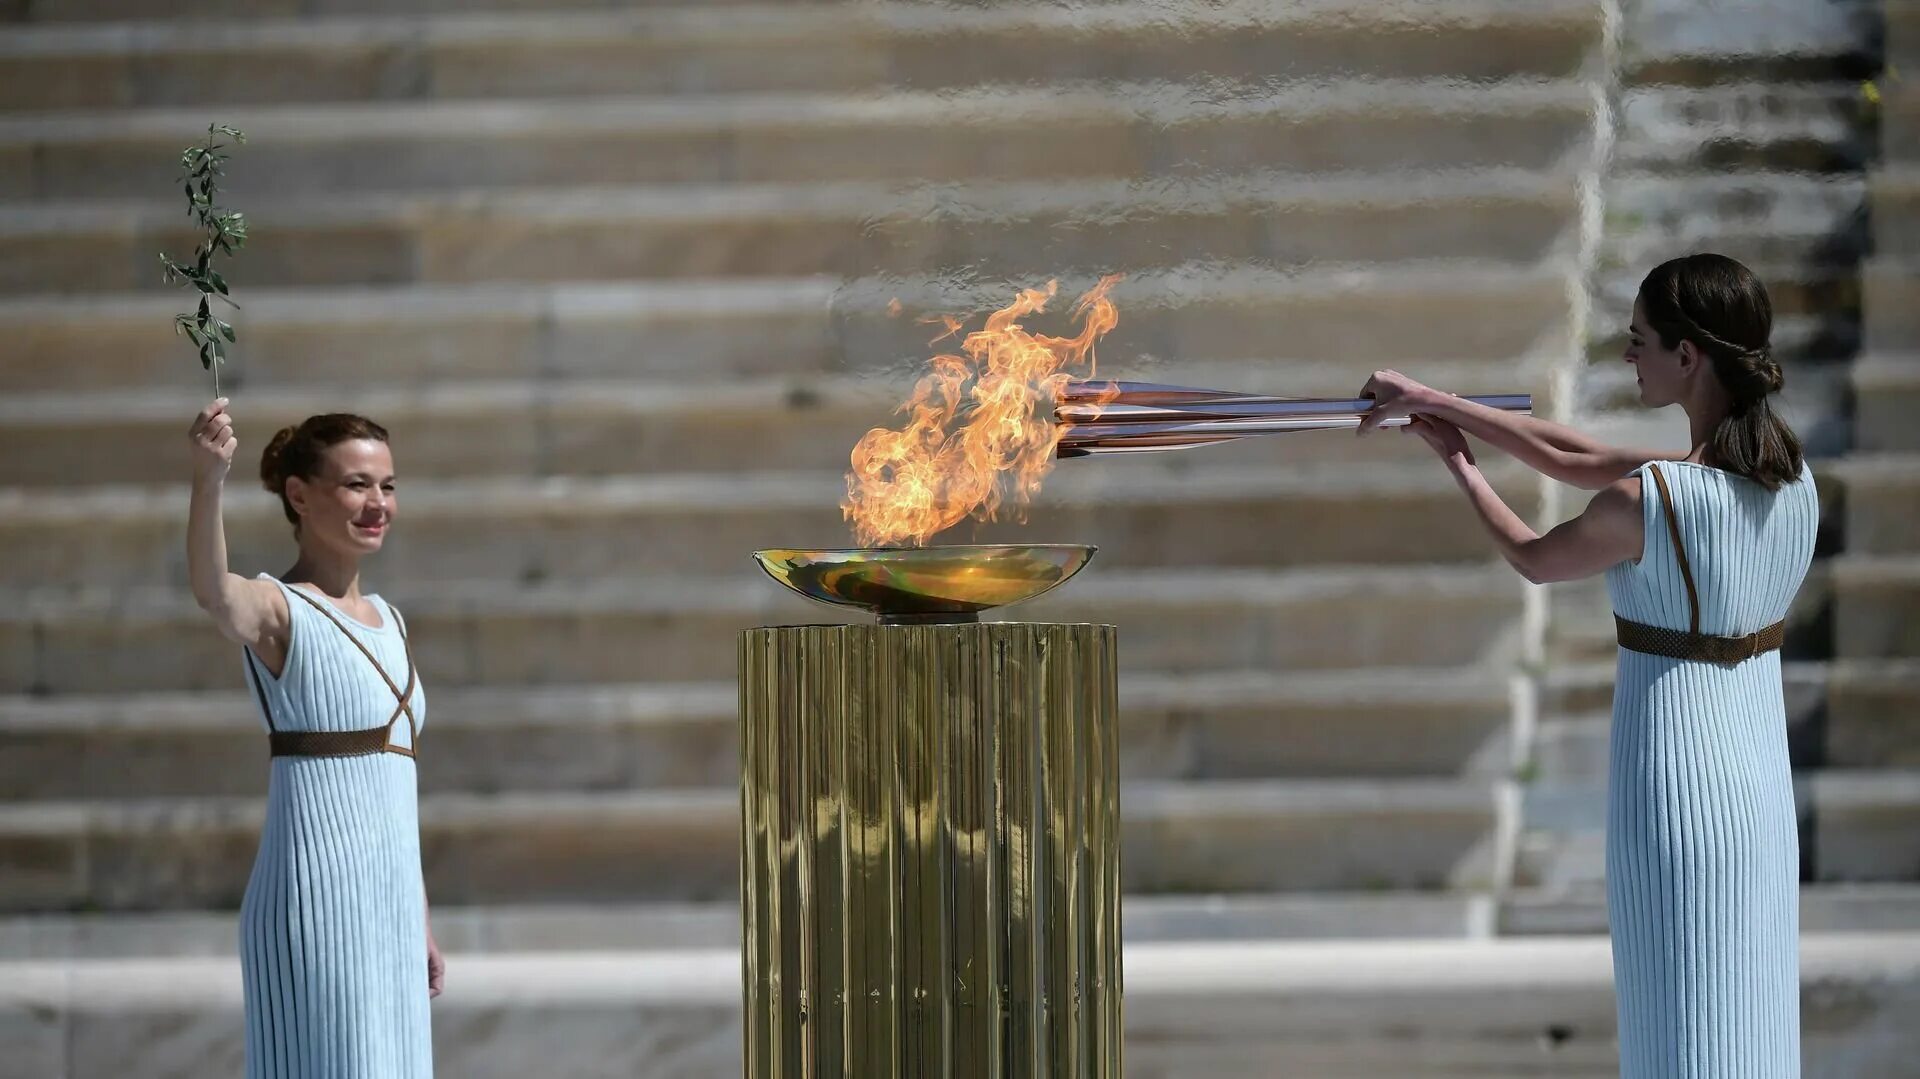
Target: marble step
{"type": "Point", "coordinates": [591, 427]}
{"type": "Point", "coordinates": [1574, 748]}
{"type": "Point", "coordinates": [1895, 194]}
{"type": "Point", "coordinates": [1575, 704]}
{"type": "Point", "coordinates": [1467, 1009]}
{"type": "Point", "coordinates": [1866, 824]}
{"type": "Point", "coordinates": [563, 528]}
{"type": "Point", "coordinates": [1882, 503]}
{"type": "Point", "coordinates": [1849, 715]}
{"type": "Point", "coordinates": [1855, 826]}
{"type": "Point", "coordinates": [1203, 837]}
{"type": "Point", "coordinates": [799, 48]}
{"type": "Point", "coordinates": [1818, 127]}
{"type": "Point", "coordinates": [1063, 134]}
{"type": "Point", "coordinates": [227, 11]}
{"type": "Point", "coordinates": [1785, 219]}
{"type": "Point", "coordinates": [1902, 22]}
{"type": "Point", "coordinates": [640, 629]}
{"type": "Point", "coordinates": [718, 331]}
{"type": "Point", "coordinates": [1824, 908]}
{"type": "Point", "coordinates": [1876, 600]}
{"type": "Point", "coordinates": [1873, 714]}
{"type": "Point", "coordinates": [1145, 919]}
{"type": "Point", "coordinates": [603, 927]}
{"type": "Point", "coordinates": [786, 230]}
{"type": "Point", "coordinates": [1886, 400]}
{"type": "Point", "coordinates": [1890, 300]}
{"type": "Point", "coordinates": [1812, 279]}
{"type": "Point", "coordinates": [1687, 44]}
{"type": "Point", "coordinates": [1900, 120]}
{"type": "Point", "coordinates": [1586, 688]}
{"type": "Point", "coordinates": [1240, 725]}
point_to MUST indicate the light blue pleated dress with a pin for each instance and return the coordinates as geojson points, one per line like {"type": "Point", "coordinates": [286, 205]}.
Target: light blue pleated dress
{"type": "Point", "coordinates": [1703, 861]}
{"type": "Point", "coordinates": [333, 926]}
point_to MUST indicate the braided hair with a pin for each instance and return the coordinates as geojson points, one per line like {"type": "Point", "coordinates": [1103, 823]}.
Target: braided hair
{"type": "Point", "coordinates": [1720, 306]}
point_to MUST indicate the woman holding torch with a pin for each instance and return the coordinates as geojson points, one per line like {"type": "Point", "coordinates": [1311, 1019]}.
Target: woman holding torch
{"type": "Point", "coordinates": [337, 958]}
{"type": "Point", "coordinates": [1703, 553]}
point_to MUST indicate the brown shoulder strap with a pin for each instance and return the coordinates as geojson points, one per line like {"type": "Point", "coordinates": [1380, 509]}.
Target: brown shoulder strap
{"type": "Point", "coordinates": [403, 696]}
{"type": "Point", "coordinates": [1679, 548]}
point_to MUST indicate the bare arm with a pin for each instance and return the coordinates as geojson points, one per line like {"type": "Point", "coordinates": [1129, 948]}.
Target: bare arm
{"type": "Point", "coordinates": [249, 612]}
{"type": "Point", "coordinates": [1554, 450]}
{"type": "Point", "coordinates": [1608, 532]}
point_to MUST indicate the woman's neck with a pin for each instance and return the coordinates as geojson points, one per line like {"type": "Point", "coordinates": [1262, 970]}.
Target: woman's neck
{"type": "Point", "coordinates": [1708, 406]}
{"type": "Point", "coordinates": [338, 577]}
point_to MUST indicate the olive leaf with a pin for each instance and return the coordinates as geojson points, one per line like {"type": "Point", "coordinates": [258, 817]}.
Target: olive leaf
{"type": "Point", "coordinates": [225, 232]}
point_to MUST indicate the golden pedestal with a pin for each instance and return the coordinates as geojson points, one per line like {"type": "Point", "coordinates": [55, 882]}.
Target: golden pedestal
{"type": "Point", "coordinates": [930, 862]}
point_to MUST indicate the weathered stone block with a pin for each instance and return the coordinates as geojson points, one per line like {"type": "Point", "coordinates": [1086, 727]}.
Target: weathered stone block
{"type": "Point", "coordinates": [1248, 837]}
{"type": "Point", "coordinates": [1866, 826]}
{"type": "Point", "coordinates": [1873, 715]}
{"type": "Point", "coordinates": [1886, 398]}
{"type": "Point", "coordinates": [1891, 304]}
{"type": "Point", "coordinates": [1874, 604]}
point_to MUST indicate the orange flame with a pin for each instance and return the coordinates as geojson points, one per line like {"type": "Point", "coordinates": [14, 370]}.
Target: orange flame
{"type": "Point", "coordinates": [980, 429]}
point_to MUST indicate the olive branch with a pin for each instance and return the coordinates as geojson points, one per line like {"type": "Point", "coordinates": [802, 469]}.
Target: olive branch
{"type": "Point", "coordinates": [201, 167]}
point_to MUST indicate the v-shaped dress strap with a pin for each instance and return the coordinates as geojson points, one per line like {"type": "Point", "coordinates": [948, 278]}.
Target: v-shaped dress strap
{"type": "Point", "coordinates": [403, 696]}
{"type": "Point", "coordinates": [353, 743]}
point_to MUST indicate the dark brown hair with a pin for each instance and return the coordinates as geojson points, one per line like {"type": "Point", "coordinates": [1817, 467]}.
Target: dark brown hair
{"type": "Point", "coordinates": [296, 451]}
{"type": "Point", "coordinates": [1720, 306]}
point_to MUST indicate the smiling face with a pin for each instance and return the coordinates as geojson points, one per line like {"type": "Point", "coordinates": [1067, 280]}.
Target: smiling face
{"type": "Point", "coordinates": [349, 505]}
{"type": "Point", "coordinates": [1663, 373]}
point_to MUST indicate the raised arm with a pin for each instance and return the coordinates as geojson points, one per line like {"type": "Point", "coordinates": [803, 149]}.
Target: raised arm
{"type": "Point", "coordinates": [1608, 532]}
{"type": "Point", "coordinates": [249, 612]}
{"type": "Point", "coordinates": [1554, 450]}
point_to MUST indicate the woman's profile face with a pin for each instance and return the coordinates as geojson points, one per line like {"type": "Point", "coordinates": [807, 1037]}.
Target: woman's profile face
{"type": "Point", "coordinates": [350, 505]}
{"type": "Point", "coordinates": [1658, 369]}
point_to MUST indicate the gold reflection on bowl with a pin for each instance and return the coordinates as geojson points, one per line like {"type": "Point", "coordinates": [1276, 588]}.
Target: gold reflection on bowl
{"type": "Point", "coordinates": [925, 584]}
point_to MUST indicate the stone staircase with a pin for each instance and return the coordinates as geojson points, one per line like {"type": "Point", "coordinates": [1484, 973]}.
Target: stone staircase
{"type": "Point", "coordinates": [1876, 581]}
{"type": "Point", "coordinates": [618, 279]}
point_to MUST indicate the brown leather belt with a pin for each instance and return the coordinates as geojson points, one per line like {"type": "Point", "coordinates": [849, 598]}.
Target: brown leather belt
{"type": "Point", "coordinates": [334, 743]}
{"type": "Point", "coordinates": [1680, 644]}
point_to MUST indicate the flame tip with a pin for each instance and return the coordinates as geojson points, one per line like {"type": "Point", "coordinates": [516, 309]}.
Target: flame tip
{"type": "Point", "coordinates": [981, 434]}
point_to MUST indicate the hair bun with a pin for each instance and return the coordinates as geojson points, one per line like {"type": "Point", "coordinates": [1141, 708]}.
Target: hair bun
{"type": "Point", "coordinates": [1768, 369]}
{"type": "Point", "coordinates": [273, 460]}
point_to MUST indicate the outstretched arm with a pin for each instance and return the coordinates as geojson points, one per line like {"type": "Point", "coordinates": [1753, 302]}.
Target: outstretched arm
{"type": "Point", "coordinates": [249, 612]}
{"type": "Point", "coordinates": [1608, 532]}
{"type": "Point", "coordinates": [1554, 450]}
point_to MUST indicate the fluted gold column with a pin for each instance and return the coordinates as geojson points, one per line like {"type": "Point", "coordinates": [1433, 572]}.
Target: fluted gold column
{"type": "Point", "coordinates": [930, 851]}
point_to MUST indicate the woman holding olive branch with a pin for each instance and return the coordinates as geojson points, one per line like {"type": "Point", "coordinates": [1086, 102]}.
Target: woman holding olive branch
{"type": "Point", "coordinates": [337, 957]}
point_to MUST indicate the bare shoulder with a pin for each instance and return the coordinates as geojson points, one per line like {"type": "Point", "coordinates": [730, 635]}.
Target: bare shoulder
{"type": "Point", "coordinates": [1618, 504]}
{"type": "Point", "coordinates": [254, 613]}
{"type": "Point", "coordinates": [262, 617]}
{"type": "Point", "coordinates": [271, 598]}
{"type": "Point", "coordinates": [1624, 491]}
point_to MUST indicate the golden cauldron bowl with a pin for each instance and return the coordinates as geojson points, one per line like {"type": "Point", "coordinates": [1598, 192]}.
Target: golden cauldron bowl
{"type": "Point", "coordinates": [911, 585]}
